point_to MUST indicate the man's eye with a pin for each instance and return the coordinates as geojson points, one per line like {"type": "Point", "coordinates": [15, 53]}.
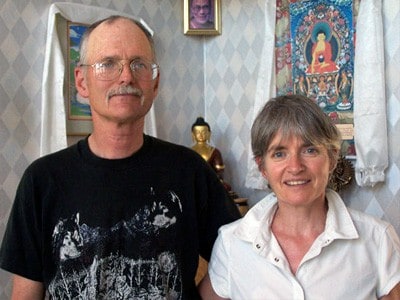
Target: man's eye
{"type": "Point", "coordinates": [139, 65]}
{"type": "Point", "coordinates": [108, 64]}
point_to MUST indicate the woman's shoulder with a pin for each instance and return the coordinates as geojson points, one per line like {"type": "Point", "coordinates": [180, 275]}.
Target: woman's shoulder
{"type": "Point", "coordinates": [369, 225]}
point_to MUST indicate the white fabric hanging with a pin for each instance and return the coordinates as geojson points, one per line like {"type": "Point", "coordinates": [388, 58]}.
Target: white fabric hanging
{"type": "Point", "coordinates": [369, 96]}
{"type": "Point", "coordinates": [53, 130]}
{"type": "Point", "coordinates": [265, 89]}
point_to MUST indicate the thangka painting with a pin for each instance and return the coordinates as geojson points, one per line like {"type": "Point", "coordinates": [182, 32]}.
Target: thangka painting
{"type": "Point", "coordinates": [78, 107]}
{"type": "Point", "coordinates": [315, 55]}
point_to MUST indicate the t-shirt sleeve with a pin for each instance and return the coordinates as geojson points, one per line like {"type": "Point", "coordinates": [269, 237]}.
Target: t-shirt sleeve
{"type": "Point", "coordinates": [218, 209]}
{"type": "Point", "coordinates": [21, 246]}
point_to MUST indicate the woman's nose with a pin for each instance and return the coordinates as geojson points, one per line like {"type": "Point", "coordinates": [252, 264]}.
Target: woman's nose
{"type": "Point", "coordinates": [295, 163]}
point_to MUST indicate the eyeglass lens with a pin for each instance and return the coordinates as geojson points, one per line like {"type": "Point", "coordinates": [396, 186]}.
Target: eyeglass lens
{"type": "Point", "coordinates": [111, 70]}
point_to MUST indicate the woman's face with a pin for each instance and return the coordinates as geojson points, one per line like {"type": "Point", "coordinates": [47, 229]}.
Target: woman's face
{"type": "Point", "coordinates": [297, 172]}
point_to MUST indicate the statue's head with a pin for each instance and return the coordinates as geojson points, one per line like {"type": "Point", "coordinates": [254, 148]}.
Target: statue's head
{"type": "Point", "coordinates": [201, 131]}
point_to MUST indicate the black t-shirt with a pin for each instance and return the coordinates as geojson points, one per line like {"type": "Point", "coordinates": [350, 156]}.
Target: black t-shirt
{"type": "Point", "coordinates": [96, 228]}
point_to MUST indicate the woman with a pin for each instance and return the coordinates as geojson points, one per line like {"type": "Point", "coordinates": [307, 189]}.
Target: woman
{"type": "Point", "coordinates": [300, 241]}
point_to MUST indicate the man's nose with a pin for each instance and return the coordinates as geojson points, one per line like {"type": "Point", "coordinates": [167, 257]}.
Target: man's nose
{"type": "Point", "coordinates": [127, 74]}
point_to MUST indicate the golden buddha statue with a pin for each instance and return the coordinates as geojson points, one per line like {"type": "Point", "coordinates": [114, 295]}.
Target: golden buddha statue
{"type": "Point", "coordinates": [201, 134]}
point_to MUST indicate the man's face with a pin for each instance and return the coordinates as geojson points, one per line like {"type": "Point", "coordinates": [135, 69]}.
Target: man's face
{"type": "Point", "coordinates": [122, 41]}
{"type": "Point", "coordinates": [200, 11]}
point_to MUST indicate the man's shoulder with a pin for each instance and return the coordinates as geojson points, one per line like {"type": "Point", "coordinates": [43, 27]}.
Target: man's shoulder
{"type": "Point", "coordinates": [173, 149]}
{"type": "Point", "coordinates": [54, 159]}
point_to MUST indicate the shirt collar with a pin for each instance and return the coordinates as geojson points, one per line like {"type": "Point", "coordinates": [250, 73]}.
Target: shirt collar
{"type": "Point", "coordinates": [254, 224]}
{"type": "Point", "coordinates": [339, 224]}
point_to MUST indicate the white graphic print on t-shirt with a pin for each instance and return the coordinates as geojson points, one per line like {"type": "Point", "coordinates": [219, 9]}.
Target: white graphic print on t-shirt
{"type": "Point", "coordinates": [131, 260]}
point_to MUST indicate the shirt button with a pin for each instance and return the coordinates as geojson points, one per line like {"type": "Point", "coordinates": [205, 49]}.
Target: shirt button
{"type": "Point", "coordinates": [258, 246]}
{"type": "Point", "coordinates": [276, 259]}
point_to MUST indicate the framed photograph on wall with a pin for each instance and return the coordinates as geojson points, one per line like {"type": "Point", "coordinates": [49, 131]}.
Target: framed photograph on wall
{"type": "Point", "coordinates": [79, 117]}
{"type": "Point", "coordinates": [202, 17]}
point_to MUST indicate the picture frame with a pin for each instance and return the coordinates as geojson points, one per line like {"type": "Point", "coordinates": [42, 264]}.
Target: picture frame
{"type": "Point", "coordinates": [79, 118]}
{"type": "Point", "coordinates": [208, 17]}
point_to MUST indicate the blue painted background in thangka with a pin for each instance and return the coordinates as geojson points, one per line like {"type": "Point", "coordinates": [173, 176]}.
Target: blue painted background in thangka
{"type": "Point", "coordinates": [78, 107]}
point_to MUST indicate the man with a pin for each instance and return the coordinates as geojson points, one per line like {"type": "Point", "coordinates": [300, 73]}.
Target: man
{"type": "Point", "coordinates": [200, 14]}
{"type": "Point", "coordinates": [120, 215]}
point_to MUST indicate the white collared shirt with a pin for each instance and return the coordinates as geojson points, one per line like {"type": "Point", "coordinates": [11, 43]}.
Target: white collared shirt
{"type": "Point", "coordinates": [356, 257]}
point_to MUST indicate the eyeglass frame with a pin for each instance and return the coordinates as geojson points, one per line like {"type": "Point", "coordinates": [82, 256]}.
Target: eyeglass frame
{"type": "Point", "coordinates": [153, 66]}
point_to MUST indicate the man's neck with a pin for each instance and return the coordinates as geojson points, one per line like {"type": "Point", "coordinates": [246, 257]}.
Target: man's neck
{"type": "Point", "coordinates": [117, 142]}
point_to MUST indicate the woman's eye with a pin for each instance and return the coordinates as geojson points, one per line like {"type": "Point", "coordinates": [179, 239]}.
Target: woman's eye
{"type": "Point", "coordinates": [278, 154]}
{"type": "Point", "coordinates": [311, 150]}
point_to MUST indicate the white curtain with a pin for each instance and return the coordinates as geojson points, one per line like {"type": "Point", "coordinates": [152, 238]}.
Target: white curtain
{"type": "Point", "coordinates": [265, 87]}
{"type": "Point", "coordinates": [369, 94]}
{"type": "Point", "coordinates": [53, 131]}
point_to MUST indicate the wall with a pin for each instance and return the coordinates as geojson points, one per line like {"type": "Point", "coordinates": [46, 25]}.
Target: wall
{"type": "Point", "coordinates": [210, 76]}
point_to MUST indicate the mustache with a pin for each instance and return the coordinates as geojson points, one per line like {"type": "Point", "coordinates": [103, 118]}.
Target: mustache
{"type": "Point", "coordinates": [125, 89]}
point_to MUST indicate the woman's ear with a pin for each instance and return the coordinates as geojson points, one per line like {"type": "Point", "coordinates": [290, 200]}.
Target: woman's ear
{"type": "Point", "coordinates": [333, 160]}
{"type": "Point", "coordinates": [260, 163]}
{"type": "Point", "coordinates": [80, 82]}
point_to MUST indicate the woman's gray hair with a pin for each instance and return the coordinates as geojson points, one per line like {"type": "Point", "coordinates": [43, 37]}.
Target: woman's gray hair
{"type": "Point", "coordinates": [110, 20]}
{"type": "Point", "coordinates": [294, 115]}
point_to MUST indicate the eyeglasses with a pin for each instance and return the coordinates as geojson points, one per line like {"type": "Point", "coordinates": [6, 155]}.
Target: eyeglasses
{"type": "Point", "coordinates": [197, 8]}
{"type": "Point", "coordinates": [111, 69]}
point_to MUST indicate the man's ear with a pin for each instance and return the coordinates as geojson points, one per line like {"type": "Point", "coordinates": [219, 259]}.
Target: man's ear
{"type": "Point", "coordinates": [80, 82]}
{"type": "Point", "coordinates": [156, 83]}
